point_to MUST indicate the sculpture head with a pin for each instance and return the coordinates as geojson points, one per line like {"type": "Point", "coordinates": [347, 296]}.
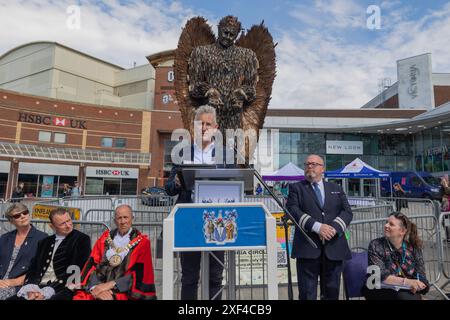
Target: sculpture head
{"type": "Point", "coordinates": [229, 28]}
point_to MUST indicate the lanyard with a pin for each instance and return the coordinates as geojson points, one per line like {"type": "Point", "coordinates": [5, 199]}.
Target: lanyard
{"type": "Point", "coordinates": [399, 269]}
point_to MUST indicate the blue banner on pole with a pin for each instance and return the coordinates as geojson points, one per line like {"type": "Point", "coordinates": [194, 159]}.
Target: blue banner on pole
{"type": "Point", "coordinates": [220, 227]}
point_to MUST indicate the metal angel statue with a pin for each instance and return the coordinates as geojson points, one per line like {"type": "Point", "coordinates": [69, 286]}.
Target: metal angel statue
{"type": "Point", "coordinates": [235, 77]}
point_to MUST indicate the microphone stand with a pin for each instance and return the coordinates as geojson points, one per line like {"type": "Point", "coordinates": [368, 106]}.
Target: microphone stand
{"type": "Point", "coordinates": [287, 216]}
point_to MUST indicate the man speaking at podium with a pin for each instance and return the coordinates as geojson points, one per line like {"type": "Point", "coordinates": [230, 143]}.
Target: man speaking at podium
{"type": "Point", "coordinates": [322, 211]}
{"type": "Point", "coordinates": [190, 261]}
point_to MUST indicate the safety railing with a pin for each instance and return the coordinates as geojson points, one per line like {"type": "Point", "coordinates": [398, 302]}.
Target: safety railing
{"type": "Point", "coordinates": [93, 229]}
{"type": "Point", "coordinates": [152, 203]}
{"type": "Point", "coordinates": [86, 203]}
{"type": "Point", "coordinates": [374, 212]}
{"type": "Point", "coordinates": [414, 206]}
{"type": "Point", "coordinates": [268, 201]}
{"type": "Point", "coordinates": [154, 232]}
{"type": "Point", "coordinates": [107, 216]}
{"type": "Point", "coordinates": [365, 201]}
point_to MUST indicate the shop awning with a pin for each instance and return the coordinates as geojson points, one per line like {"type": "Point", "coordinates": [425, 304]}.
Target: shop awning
{"type": "Point", "coordinates": [357, 169]}
{"type": "Point", "coordinates": [290, 172]}
{"type": "Point", "coordinates": [72, 155]}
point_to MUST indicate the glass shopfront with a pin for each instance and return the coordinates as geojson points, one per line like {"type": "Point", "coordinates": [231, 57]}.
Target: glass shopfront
{"type": "Point", "coordinates": [46, 180]}
{"type": "Point", "coordinates": [427, 150]}
{"type": "Point", "coordinates": [4, 173]}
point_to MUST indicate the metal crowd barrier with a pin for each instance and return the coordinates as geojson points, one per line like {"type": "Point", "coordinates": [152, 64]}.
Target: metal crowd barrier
{"type": "Point", "coordinates": [107, 216]}
{"type": "Point", "coordinates": [86, 203]}
{"type": "Point", "coordinates": [361, 232]}
{"type": "Point", "coordinates": [365, 201]}
{"type": "Point", "coordinates": [251, 275]}
{"type": "Point", "coordinates": [3, 207]}
{"type": "Point", "coordinates": [268, 201]}
{"type": "Point", "coordinates": [154, 232]}
{"type": "Point", "coordinates": [150, 203]}
{"type": "Point", "coordinates": [374, 212]}
{"type": "Point", "coordinates": [416, 206]}
{"type": "Point", "coordinates": [93, 229]}
{"type": "Point", "coordinates": [153, 203]}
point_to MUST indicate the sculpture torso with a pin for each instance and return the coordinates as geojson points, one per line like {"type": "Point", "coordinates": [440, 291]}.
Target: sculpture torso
{"type": "Point", "coordinates": [226, 70]}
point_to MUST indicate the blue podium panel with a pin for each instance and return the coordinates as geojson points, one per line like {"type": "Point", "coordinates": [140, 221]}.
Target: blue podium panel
{"type": "Point", "coordinates": [219, 226]}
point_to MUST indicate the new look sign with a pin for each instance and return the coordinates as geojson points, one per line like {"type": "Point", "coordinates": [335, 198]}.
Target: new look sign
{"type": "Point", "coordinates": [344, 147]}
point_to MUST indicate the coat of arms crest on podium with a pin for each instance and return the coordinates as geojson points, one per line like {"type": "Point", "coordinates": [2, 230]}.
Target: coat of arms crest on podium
{"type": "Point", "coordinates": [220, 229]}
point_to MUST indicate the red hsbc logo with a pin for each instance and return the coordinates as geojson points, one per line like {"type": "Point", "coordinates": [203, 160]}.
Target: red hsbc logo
{"type": "Point", "coordinates": [48, 121]}
{"type": "Point", "coordinates": [59, 122]}
{"type": "Point", "coordinates": [103, 172]}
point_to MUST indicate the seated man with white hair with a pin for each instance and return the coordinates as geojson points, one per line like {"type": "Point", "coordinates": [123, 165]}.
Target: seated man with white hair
{"type": "Point", "coordinates": [120, 266]}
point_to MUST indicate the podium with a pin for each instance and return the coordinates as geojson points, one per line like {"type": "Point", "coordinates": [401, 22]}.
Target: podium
{"type": "Point", "coordinates": [218, 220]}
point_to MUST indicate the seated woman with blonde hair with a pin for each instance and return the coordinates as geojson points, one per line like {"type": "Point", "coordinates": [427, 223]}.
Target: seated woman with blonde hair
{"type": "Point", "coordinates": [398, 255]}
{"type": "Point", "coordinates": [17, 248]}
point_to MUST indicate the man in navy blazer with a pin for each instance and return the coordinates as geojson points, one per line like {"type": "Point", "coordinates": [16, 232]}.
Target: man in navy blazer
{"type": "Point", "coordinates": [322, 211]}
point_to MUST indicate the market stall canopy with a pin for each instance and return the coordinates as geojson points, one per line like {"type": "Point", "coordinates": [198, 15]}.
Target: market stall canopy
{"type": "Point", "coordinates": [357, 169]}
{"type": "Point", "coordinates": [290, 172]}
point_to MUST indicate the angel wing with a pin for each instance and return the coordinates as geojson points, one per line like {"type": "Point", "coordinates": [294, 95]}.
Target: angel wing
{"type": "Point", "coordinates": [195, 33]}
{"type": "Point", "coordinates": [261, 42]}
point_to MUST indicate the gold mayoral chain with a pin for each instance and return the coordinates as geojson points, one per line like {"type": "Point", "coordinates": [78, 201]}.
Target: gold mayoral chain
{"type": "Point", "coordinates": [116, 259]}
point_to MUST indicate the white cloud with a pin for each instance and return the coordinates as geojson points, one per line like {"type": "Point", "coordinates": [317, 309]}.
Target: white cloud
{"type": "Point", "coordinates": [319, 71]}
{"type": "Point", "coordinates": [331, 13]}
{"type": "Point", "coordinates": [114, 32]}
{"type": "Point", "coordinates": [318, 66]}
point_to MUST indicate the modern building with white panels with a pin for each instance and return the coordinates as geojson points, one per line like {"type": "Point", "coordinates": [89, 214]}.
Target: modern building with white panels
{"type": "Point", "coordinates": [50, 69]}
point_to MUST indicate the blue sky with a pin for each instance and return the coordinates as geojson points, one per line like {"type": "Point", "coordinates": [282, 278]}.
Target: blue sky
{"type": "Point", "coordinates": [326, 55]}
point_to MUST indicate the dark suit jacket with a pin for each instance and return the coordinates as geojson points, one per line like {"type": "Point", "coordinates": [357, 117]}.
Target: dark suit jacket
{"type": "Point", "coordinates": [25, 255]}
{"type": "Point", "coordinates": [73, 250]}
{"type": "Point", "coordinates": [305, 208]}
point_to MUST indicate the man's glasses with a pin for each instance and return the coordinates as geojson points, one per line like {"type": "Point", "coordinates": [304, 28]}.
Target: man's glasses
{"type": "Point", "coordinates": [312, 164]}
{"type": "Point", "coordinates": [18, 215]}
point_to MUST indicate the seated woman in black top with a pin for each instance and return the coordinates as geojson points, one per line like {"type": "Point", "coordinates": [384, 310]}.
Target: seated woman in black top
{"type": "Point", "coordinates": [17, 248]}
{"type": "Point", "coordinates": [398, 256]}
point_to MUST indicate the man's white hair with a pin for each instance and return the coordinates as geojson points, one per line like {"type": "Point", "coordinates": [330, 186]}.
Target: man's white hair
{"type": "Point", "coordinates": [123, 205]}
{"type": "Point", "coordinates": [205, 109]}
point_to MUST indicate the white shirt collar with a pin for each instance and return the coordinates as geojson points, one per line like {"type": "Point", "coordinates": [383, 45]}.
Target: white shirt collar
{"type": "Point", "coordinates": [208, 148]}
{"type": "Point", "coordinates": [126, 235]}
{"type": "Point", "coordinates": [320, 183]}
{"type": "Point", "coordinates": [59, 238]}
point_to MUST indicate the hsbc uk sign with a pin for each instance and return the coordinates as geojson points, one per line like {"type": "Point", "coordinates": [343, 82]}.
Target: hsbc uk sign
{"type": "Point", "coordinates": [49, 121]}
{"type": "Point", "coordinates": [130, 173]}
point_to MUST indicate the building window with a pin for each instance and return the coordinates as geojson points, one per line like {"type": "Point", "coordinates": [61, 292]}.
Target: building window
{"type": "Point", "coordinates": [59, 137]}
{"type": "Point", "coordinates": [120, 142]}
{"type": "Point", "coordinates": [107, 142]}
{"type": "Point", "coordinates": [45, 136]}
{"type": "Point", "coordinates": [168, 146]}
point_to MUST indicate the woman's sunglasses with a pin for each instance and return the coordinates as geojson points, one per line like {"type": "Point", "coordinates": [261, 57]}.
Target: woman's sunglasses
{"type": "Point", "coordinates": [18, 215]}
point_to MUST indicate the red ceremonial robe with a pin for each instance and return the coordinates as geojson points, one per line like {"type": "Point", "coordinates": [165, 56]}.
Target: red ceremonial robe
{"type": "Point", "coordinates": [138, 264]}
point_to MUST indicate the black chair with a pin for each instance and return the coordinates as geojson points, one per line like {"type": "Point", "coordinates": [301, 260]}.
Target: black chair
{"type": "Point", "coordinates": [355, 274]}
